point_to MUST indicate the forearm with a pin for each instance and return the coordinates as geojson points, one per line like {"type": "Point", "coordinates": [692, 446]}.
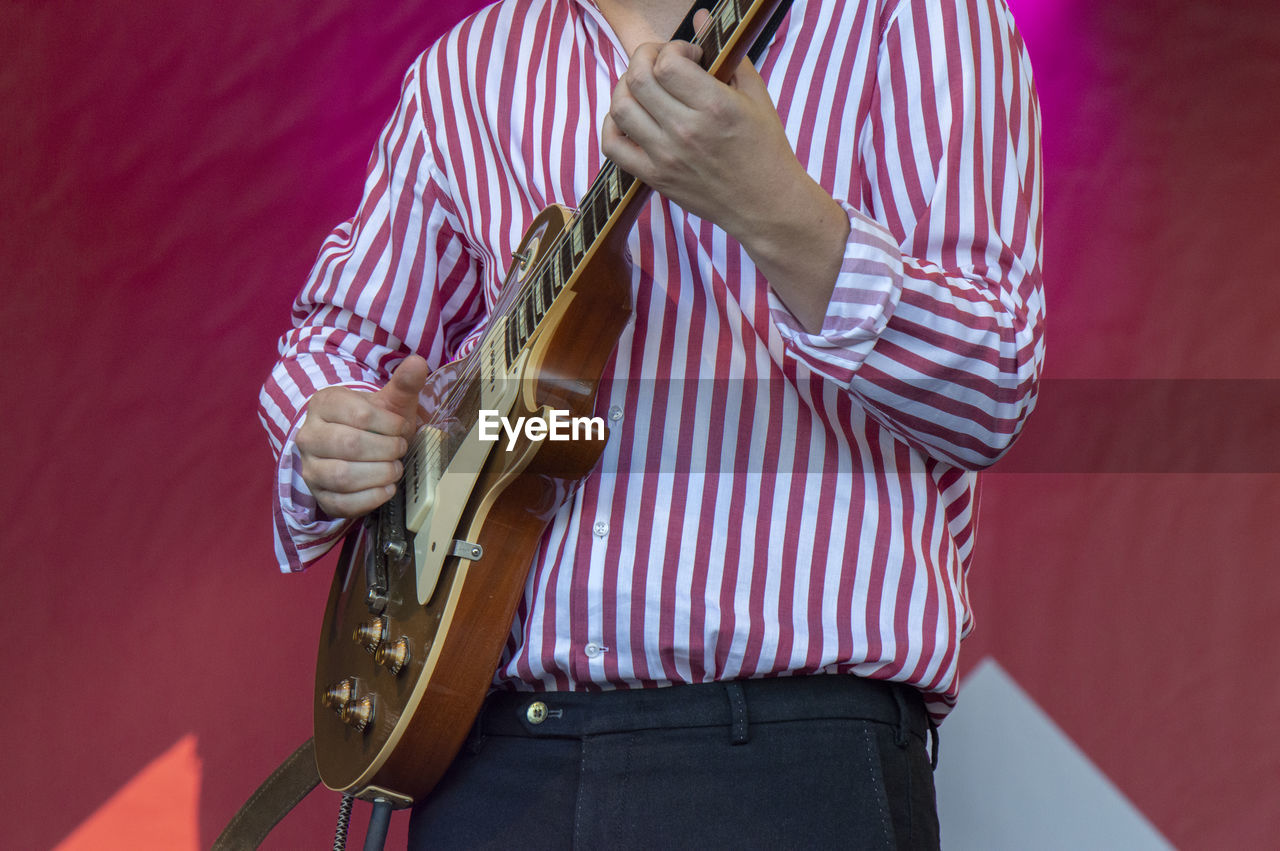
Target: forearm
{"type": "Point", "coordinates": [798, 244]}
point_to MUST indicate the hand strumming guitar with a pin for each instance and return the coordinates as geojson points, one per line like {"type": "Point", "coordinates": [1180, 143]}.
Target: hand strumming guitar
{"type": "Point", "coordinates": [352, 441]}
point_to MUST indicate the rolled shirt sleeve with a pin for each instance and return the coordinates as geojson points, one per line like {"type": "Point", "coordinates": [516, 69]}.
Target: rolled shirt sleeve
{"type": "Point", "coordinates": [935, 322]}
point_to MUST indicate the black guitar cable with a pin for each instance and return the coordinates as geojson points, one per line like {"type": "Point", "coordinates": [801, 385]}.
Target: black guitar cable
{"type": "Point", "coordinates": [379, 822]}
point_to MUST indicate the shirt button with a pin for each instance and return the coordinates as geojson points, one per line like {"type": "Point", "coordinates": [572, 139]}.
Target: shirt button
{"type": "Point", "coordinates": [537, 712]}
{"type": "Point", "coordinates": [615, 413]}
{"type": "Point", "coordinates": [593, 650]}
{"type": "Point", "coordinates": [601, 528]}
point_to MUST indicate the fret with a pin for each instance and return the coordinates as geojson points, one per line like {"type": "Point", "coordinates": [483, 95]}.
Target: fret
{"type": "Point", "coordinates": [516, 319]}
{"type": "Point", "coordinates": [712, 48]}
{"type": "Point", "coordinates": [566, 263]}
{"type": "Point", "coordinates": [537, 288]}
{"type": "Point", "coordinates": [728, 16]}
{"type": "Point", "coordinates": [557, 280]}
{"type": "Point", "coordinates": [546, 292]}
{"type": "Point", "coordinates": [587, 220]}
{"type": "Point", "coordinates": [611, 183]}
{"type": "Point", "coordinates": [590, 227]}
{"type": "Point", "coordinates": [599, 209]}
{"type": "Point", "coordinates": [625, 180]}
{"type": "Point", "coordinates": [575, 238]}
{"type": "Point", "coordinates": [531, 319]}
{"type": "Point", "coordinates": [724, 20]}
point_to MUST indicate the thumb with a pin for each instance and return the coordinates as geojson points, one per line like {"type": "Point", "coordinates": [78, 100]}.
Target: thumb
{"type": "Point", "coordinates": [694, 51]}
{"type": "Point", "coordinates": [400, 395]}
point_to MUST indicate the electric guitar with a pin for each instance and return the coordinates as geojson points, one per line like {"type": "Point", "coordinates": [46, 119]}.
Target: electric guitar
{"type": "Point", "coordinates": [427, 586]}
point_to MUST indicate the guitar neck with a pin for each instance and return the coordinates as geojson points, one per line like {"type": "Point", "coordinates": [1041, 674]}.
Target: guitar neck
{"type": "Point", "coordinates": [614, 199]}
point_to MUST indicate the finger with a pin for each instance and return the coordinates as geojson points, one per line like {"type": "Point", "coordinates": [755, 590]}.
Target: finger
{"type": "Point", "coordinates": [353, 504]}
{"type": "Point", "coordinates": [684, 49]}
{"type": "Point", "coordinates": [700, 19]}
{"type": "Point", "coordinates": [641, 80]}
{"type": "Point", "coordinates": [679, 76]}
{"type": "Point", "coordinates": [659, 77]}
{"type": "Point", "coordinates": [634, 123]}
{"type": "Point", "coordinates": [632, 118]}
{"type": "Point", "coordinates": [400, 395]}
{"type": "Point", "coordinates": [321, 439]}
{"type": "Point", "coordinates": [623, 151]}
{"type": "Point", "coordinates": [333, 476]}
{"type": "Point", "coordinates": [355, 408]}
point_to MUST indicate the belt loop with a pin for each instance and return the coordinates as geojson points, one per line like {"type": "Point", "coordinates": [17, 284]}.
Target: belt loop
{"type": "Point", "coordinates": [739, 734]}
{"type": "Point", "coordinates": [900, 735]}
{"type": "Point", "coordinates": [933, 751]}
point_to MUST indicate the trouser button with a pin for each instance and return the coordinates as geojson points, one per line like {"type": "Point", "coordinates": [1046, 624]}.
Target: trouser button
{"type": "Point", "coordinates": [537, 712]}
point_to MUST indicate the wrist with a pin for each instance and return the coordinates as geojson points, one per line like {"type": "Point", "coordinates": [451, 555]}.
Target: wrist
{"type": "Point", "coordinates": [797, 241]}
{"type": "Point", "coordinates": [794, 214]}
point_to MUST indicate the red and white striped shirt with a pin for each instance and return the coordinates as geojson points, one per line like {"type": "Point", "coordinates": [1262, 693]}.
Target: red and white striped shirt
{"type": "Point", "coordinates": [770, 501]}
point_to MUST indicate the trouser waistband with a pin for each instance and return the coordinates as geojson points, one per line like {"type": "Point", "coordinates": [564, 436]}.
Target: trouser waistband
{"type": "Point", "coordinates": [735, 704]}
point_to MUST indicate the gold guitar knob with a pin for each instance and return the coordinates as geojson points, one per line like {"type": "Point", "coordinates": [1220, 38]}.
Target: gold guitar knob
{"type": "Point", "coordinates": [358, 713]}
{"type": "Point", "coordinates": [338, 695]}
{"type": "Point", "coordinates": [393, 656]}
{"type": "Point", "coordinates": [369, 634]}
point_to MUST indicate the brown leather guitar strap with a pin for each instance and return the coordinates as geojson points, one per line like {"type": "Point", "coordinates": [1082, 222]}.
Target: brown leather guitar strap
{"type": "Point", "coordinates": [292, 781]}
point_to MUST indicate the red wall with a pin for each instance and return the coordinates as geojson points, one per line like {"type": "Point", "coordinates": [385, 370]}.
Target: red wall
{"type": "Point", "coordinates": [168, 173]}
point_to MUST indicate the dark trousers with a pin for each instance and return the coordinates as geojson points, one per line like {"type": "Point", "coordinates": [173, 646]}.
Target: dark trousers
{"type": "Point", "coordinates": [804, 762]}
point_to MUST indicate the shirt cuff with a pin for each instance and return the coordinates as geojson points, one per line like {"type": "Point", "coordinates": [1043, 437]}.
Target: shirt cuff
{"type": "Point", "coordinates": [303, 532]}
{"type": "Point", "coordinates": [867, 290]}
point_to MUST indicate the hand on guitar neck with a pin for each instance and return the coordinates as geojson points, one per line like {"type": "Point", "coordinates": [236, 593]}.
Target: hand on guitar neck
{"type": "Point", "coordinates": [351, 441]}
{"type": "Point", "coordinates": [720, 152]}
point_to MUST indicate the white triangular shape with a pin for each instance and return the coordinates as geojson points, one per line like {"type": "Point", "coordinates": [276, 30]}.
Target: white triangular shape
{"type": "Point", "coordinates": [1010, 778]}
{"type": "Point", "coordinates": [158, 808]}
